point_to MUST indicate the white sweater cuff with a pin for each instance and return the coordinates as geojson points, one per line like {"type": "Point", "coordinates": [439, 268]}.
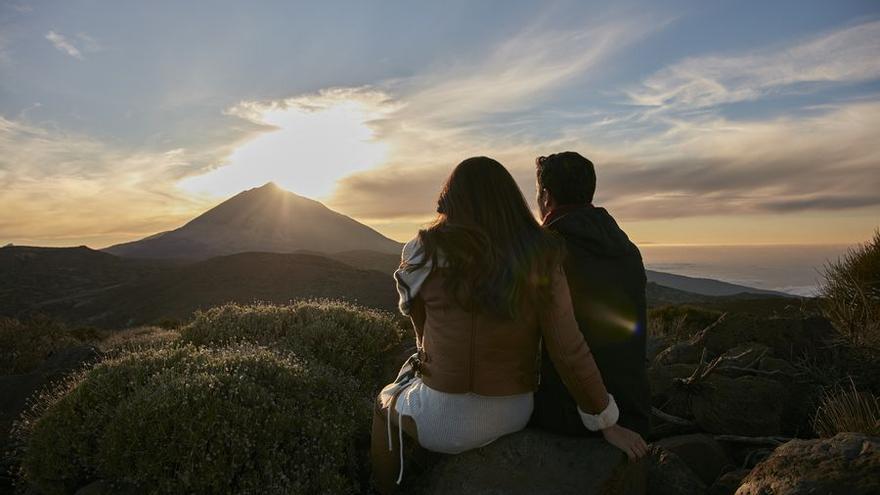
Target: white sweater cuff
{"type": "Point", "coordinates": [606, 418]}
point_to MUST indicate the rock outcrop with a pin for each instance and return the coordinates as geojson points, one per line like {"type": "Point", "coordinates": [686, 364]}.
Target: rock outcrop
{"type": "Point", "coordinates": [728, 483]}
{"type": "Point", "coordinates": [668, 474]}
{"type": "Point", "coordinates": [848, 463]}
{"type": "Point", "coordinates": [529, 462]}
{"type": "Point", "coordinates": [701, 452]}
{"type": "Point", "coordinates": [786, 337]}
{"type": "Point", "coordinates": [748, 405]}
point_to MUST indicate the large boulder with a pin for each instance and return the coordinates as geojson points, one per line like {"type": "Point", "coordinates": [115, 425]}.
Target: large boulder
{"type": "Point", "coordinates": [661, 378]}
{"type": "Point", "coordinates": [728, 483]}
{"type": "Point", "coordinates": [701, 452]}
{"type": "Point", "coordinates": [668, 474]}
{"type": "Point", "coordinates": [848, 463]}
{"type": "Point", "coordinates": [786, 337]}
{"type": "Point", "coordinates": [748, 405]}
{"type": "Point", "coordinates": [532, 461]}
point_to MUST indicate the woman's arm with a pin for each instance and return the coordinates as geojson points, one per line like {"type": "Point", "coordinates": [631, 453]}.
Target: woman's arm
{"type": "Point", "coordinates": [577, 368]}
{"type": "Point", "coordinates": [573, 359]}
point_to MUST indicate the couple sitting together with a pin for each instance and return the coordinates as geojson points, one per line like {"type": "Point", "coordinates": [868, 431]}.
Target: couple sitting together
{"type": "Point", "coordinates": [517, 323]}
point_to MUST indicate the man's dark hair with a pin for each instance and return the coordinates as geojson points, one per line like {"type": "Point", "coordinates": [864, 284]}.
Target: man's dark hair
{"type": "Point", "coordinates": [568, 177]}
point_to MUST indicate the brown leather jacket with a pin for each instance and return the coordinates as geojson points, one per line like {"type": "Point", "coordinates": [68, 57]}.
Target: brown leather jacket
{"type": "Point", "coordinates": [469, 352]}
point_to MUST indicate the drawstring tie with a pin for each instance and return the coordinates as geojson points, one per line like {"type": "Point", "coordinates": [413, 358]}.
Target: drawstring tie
{"type": "Point", "coordinates": [393, 405]}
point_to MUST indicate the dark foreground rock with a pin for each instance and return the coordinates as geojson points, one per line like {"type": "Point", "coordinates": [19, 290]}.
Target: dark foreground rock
{"type": "Point", "coordinates": [701, 452]}
{"type": "Point", "coordinates": [748, 405]}
{"type": "Point", "coordinates": [530, 462]}
{"type": "Point", "coordinates": [728, 483]}
{"type": "Point", "coordinates": [668, 474]}
{"type": "Point", "coordinates": [847, 464]}
{"type": "Point", "coordinates": [786, 337]}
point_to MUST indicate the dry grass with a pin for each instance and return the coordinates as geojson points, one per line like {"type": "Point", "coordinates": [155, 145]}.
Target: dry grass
{"type": "Point", "coordinates": [679, 322]}
{"type": "Point", "coordinates": [850, 294]}
{"type": "Point", "coordinates": [846, 409]}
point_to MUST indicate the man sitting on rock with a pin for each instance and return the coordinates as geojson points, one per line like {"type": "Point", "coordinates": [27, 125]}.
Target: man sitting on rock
{"type": "Point", "coordinates": [607, 281]}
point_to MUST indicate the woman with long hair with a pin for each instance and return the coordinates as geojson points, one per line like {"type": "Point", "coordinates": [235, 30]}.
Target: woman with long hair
{"type": "Point", "coordinates": [483, 285]}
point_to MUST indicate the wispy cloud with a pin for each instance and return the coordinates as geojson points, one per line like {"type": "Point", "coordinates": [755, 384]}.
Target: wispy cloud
{"type": "Point", "coordinates": [844, 56]}
{"type": "Point", "coordinates": [674, 154]}
{"type": "Point", "coordinates": [64, 45]}
{"type": "Point", "coordinates": [715, 166]}
{"type": "Point", "coordinates": [518, 73]}
{"type": "Point", "coordinates": [711, 166]}
{"type": "Point", "coordinates": [67, 186]}
{"type": "Point", "coordinates": [445, 115]}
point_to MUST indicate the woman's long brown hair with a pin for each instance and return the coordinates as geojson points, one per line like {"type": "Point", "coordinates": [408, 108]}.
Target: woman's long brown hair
{"type": "Point", "coordinates": [498, 259]}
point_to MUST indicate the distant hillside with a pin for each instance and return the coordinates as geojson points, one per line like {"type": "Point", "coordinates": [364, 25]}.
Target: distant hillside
{"type": "Point", "coordinates": [263, 219]}
{"type": "Point", "coordinates": [272, 220]}
{"type": "Point", "coordinates": [691, 287]}
{"type": "Point", "coordinates": [706, 286]}
{"type": "Point", "coordinates": [30, 276]}
{"type": "Point", "coordinates": [84, 286]}
{"type": "Point", "coordinates": [243, 278]}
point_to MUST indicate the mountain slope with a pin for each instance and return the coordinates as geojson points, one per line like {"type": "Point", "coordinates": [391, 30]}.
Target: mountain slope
{"type": "Point", "coordinates": [688, 288]}
{"type": "Point", "coordinates": [30, 276]}
{"type": "Point", "coordinates": [706, 286]}
{"type": "Point", "coordinates": [87, 287]}
{"type": "Point", "coordinates": [244, 278]}
{"type": "Point", "coordinates": [265, 219]}
{"type": "Point", "coordinates": [83, 286]}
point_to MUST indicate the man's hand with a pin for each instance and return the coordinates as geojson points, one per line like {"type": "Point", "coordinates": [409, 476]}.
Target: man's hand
{"type": "Point", "coordinates": [630, 442]}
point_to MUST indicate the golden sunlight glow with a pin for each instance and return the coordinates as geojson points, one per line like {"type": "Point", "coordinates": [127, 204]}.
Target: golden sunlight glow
{"type": "Point", "coordinates": [316, 141]}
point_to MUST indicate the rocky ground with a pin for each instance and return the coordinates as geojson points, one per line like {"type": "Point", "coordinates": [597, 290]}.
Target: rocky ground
{"type": "Point", "coordinates": [729, 403]}
{"type": "Point", "coordinates": [732, 415]}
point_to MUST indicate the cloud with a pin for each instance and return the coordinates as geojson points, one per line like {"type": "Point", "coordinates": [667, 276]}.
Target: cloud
{"type": "Point", "coordinates": [719, 167]}
{"type": "Point", "coordinates": [518, 73]}
{"type": "Point", "coordinates": [653, 164]}
{"type": "Point", "coordinates": [308, 143]}
{"type": "Point", "coordinates": [827, 162]}
{"type": "Point", "coordinates": [67, 187]}
{"type": "Point", "coordinates": [448, 114]}
{"type": "Point", "coordinates": [64, 45]}
{"type": "Point", "coordinates": [847, 55]}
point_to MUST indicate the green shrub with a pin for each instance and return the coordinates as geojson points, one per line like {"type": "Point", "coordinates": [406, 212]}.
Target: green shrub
{"type": "Point", "coordinates": [352, 339]}
{"type": "Point", "coordinates": [132, 339]}
{"type": "Point", "coordinates": [185, 419]}
{"type": "Point", "coordinates": [850, 294]}
{"type": "Point", "coordinates": [24, 345]}
{"type": "Point", "coordinates": [846, 409]}
{"type": "Point", "coordinates": [680, 322]}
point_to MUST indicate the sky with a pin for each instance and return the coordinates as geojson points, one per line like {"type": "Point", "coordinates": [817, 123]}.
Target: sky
{"type": "Point", "coordinates": [710, 122]}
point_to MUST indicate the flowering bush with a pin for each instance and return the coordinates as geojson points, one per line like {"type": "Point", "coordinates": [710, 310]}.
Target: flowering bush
{"type": "Point", "coordinates": [187, 419]}
{"type": "Point", "coordinates": [352, 339]}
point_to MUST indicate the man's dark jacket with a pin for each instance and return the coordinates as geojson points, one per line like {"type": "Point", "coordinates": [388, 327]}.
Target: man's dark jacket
{"type": "Point", "coordinates": [606, 276]}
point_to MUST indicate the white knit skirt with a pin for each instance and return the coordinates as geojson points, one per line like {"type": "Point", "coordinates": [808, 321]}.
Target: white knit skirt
{"type": "Point", "coordinates": [455, 423]}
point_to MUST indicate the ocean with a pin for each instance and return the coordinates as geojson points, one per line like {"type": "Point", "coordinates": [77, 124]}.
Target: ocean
{"type": "Point", "coordinates": [795, 269]}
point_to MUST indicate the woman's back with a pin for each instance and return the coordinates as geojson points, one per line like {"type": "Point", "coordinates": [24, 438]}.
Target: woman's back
{"type": "Point", "coordinates": [482, 286]}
